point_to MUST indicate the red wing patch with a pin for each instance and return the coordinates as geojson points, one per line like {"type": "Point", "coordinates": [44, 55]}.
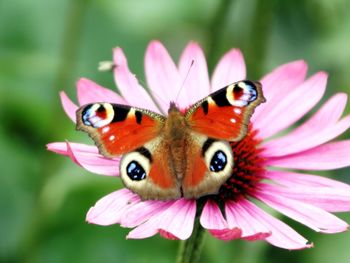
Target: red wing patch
{"type": "Point", "coordinates": [225, 114]}
{"type": "Point", "coordinates": [117, 129]}
{"type": "Point", "coordinates": [195, 175]}
{"type": "Point", "coordinates": [160, 173]}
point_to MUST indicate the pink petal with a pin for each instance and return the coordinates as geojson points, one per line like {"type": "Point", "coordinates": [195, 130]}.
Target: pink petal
{"type": "Point", "coordinates": [276, 87]}
{"type": "Point", "coordinates": [110, 209]}
{"type": "Point", "coordinates": [309, 215]}
{"type": "Point", "coordinates": [292, 105]}
{"type": "Point", "coordinates": [61, 148]}
{"type": "Point", "coordinates": [231, 68]}
{"type": "Point", "coordinates": [238, 216]}
{"type": "Point", "coordinates": [320, 128]}
{"type": "Point", "coordinates": [326, 116]}
{"type": "Point", "coordinates": [336, 199]}
{"type": "Point", "coordinates": [162, 75]}
{"type": "Point", "coordinates": [143, 211]}
{"type": "Point", "coordinates": [325, 157]}
{"type": "Point", "coordinates": [128, 85]}
{"type": "Point", "coordinates": [295, 180]}
{"type": "Point", "coordinates": [212, 219]}
{"type": "Point", "coordinates": [281, 235]}
{"type": "Point", "coordinates": [87, 157]}
{"type": "Point", "coordinates": [90, 92]}
{"type": "Point", "coordinates": [178, 220]}
{"type": "Point", "coordinates": [69, 107]}
{"type": "Point", "coordinates": [194, 75]}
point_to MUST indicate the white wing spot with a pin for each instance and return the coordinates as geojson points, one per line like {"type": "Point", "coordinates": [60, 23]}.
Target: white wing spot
{"type": "Point", "coordinates": [111, 138]}
{"type": "Point", "coordinates": [237, 111]}
{"type": "Point", "coordinates": [105, 129]}
{"type": "Point", "coordinates": [233, 120]}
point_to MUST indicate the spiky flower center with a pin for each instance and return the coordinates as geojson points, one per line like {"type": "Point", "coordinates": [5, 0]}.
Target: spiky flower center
{"type": "Point", "coordinates": [248, 168]}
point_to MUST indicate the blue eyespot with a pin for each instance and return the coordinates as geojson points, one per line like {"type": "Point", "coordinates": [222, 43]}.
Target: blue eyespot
{"type": "Point", "coordinates": [252, 91]}
{"type": "Point", "coordinates": [218, 162]}
{"type": "Point", "coordinates": [135, 171]}
{"type": "Point", "coordinates": [86, 114]}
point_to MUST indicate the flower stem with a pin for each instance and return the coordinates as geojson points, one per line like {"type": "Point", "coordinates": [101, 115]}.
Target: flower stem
{"type": "Point", "coordinates": [190, 249]}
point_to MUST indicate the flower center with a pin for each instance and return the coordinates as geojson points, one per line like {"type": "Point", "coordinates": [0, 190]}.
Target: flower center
{"type": "Point", "coordinates": [248, 168]}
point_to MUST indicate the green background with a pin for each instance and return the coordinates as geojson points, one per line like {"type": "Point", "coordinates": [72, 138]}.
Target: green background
{"type": "Point", "coordinates": [46, 46]}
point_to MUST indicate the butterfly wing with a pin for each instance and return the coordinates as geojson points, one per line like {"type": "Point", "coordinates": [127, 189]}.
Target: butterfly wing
{"type": "Point", "coordinates": [118, 129]}
{"type": "Point", "coordinates": [209, 165]}
{"type": "Point", "coordinates": [146, 171]}
{"type": "Point", "coordinates": [136, 135]}
{"type": "Point", "coordinates": [221, 117]}
{"type": "Point", "coordinates": [225, 113]}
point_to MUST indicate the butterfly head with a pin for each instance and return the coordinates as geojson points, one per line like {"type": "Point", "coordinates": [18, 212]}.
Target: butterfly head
{"type": "Point", "coordinates": [173, 108]}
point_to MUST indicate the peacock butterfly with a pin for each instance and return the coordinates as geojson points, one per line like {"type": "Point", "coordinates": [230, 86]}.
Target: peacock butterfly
{"type": "Point", "coordinates": [186, 154]}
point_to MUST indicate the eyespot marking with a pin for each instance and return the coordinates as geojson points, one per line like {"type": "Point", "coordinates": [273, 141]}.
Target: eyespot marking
{"type": "Point", "coordinates": [218, 157]}
{"type": "Point", "coordinates": [218, 161]}
{"type": "Point", "coordinates": [242, 93]}
{"type": "Point", "coordinates": [98, 115]}
{"type": "Point", "coordinates": [135, 171]}
{"type": "Point", "coordinates": [134, 167]}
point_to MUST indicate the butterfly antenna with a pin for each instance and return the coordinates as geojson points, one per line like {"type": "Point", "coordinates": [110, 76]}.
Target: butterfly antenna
{"type": "Point", "coordinates": [184, 81]}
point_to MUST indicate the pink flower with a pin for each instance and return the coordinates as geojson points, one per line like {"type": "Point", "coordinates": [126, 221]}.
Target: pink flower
{"type": "Point", "coordinates": [257, 176]}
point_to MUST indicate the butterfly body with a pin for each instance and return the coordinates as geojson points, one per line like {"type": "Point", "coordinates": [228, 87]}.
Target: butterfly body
{"type": "Point", "coordinates": [185, 154]}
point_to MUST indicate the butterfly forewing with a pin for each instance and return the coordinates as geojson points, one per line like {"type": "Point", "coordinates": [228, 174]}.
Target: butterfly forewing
{"type": "Point", "coordinates": [118, 129]}
{"type": "Point", "coordinates": [225, 113]}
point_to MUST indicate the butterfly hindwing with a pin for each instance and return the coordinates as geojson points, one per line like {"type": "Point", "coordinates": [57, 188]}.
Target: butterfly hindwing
{"type": "Point", "coordinates": [209, 165]}
{"type": "Point", "coordinates": [225, 113]}
{"type": "Point", "coordinates": [118, 129]}
{"type": "Point", "coordinates": [146, 171]}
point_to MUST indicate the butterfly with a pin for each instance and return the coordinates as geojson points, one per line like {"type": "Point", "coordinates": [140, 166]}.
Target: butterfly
{"type": "Point", "coordinates": [186, 154]}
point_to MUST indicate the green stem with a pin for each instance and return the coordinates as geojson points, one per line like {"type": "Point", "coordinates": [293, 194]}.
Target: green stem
{"type": "Point", "coordinates": [190, 249]}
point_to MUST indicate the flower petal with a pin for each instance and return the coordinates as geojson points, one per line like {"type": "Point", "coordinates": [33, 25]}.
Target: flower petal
{"type": "Point", "coordinates": [194, 75]}
{"type": "Point", "coordinates": [61, 148]}
{"type": "Point", "coordinates": [325, 157]}
{"type": "Point", "coordinates": [309, 215]}
{"type": "Point", "coordinates": [143, 211]}
{"type": "Point", "coordinates": [231, 68]}
{"type": "Point", "coordinates": [276, 87]}
{"type": "Point", "coordinates": [87, 157]}
{"type": "Point", "coordinates": [178, 220]}
{"type": "Point", "coordinates": [69, 107]}
{"type": "Point", "coordinates": [319, 129]}
{"type": "Point", "coordinates": [295, 180]}
{"type": "Point", "coordinates": [332, 199]}
{"type": "Point", "coordinates": [109, 209]}
{"type": "Point", "coordinates": [281, 235]}
{"type": "Point", "coordinates": [295, 103]}
{"type": "Point", "coordinates": [238, 216]}
{"type": "Point", "coordinates": [212, 219]}
{"type": "Point", "coordinates": [128, 85]}
{"type": "Point", "coordinates": [90, 92]}
{"type": "Point", "coordinates": [162, 75]}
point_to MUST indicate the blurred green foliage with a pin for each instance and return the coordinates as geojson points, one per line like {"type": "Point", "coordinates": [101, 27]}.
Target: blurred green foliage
{"type": "Point", "coordinates": [45, 46]}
